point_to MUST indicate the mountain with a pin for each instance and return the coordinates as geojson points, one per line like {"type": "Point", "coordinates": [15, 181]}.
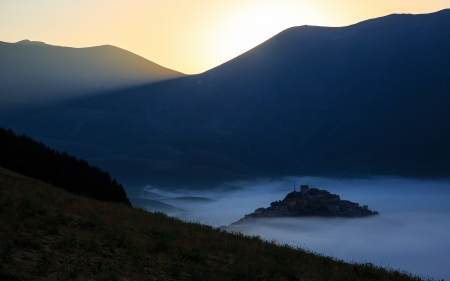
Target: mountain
{"type": "Point", "coordinates": [366, 99]}
{"type": "Point", "coordinates": [33, 72]}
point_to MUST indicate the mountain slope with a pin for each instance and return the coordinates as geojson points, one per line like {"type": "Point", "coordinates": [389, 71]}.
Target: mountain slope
{"type": "Point", "coordinates": [26, 156]}
{"type": "Point", "coordinates": [366, 99]}
{"type": "Point", "coordinates": [34, 72]}
{"type": "Point", "coordinates": [370, 97]}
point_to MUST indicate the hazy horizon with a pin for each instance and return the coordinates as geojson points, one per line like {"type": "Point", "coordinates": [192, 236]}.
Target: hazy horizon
{"type": "Point", "coordinates": [186, 36]}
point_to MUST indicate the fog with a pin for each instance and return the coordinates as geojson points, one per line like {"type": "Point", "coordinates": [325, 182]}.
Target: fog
{"type": "Point", "coordinates": [411, 233]}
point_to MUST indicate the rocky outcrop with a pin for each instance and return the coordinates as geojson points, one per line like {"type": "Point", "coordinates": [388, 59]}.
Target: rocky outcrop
{"type": "Point", "coordinates": [309, 202]}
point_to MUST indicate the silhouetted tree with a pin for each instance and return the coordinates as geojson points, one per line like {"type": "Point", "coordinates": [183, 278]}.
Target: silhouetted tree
{"type": "Point", "coordinates": [23, 155]}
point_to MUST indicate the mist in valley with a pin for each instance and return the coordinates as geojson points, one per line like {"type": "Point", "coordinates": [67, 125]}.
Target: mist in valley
{"type": "Point", "coordinates": [411, 232]}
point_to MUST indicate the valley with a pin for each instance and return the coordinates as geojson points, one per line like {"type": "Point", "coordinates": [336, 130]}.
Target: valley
{"type": "Point", "coordinates": [175, 159]}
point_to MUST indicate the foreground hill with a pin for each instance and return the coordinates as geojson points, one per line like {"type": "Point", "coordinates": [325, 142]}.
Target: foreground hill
{"type": "Point", "coordinates": [50, 234]}
{"type": "Point", "coordinates": [370, 98]}
{"type": "Point", "coordinates": [28, 157]}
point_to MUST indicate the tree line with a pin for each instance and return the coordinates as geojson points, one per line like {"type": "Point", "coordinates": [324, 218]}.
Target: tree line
{"type": "Point", "coordinates": [28, 157]}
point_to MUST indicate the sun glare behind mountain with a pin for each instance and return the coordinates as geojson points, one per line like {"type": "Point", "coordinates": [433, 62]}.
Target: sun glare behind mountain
{"type": "Point", "coordinates": [188, 36]}
{"type": "Point", "coordinates": [249, 25]}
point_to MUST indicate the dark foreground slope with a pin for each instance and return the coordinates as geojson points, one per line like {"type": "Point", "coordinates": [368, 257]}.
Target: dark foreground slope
{"type": "Point", "coordinates": [28, 157]}
{"type": "Point", "coordinates": [49, 234]}
{"type": "Point", "coordinates": [371, 98]}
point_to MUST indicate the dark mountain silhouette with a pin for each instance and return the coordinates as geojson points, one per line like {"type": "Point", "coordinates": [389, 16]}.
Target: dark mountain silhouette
{"type": "Point", "coordinates": [367, 99]}
{"type": "Point", "coordinates": [34, 72]}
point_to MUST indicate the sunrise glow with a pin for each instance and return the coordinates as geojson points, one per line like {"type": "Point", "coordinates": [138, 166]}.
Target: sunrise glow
{"type": "Point", "coordinates": [189, 36]}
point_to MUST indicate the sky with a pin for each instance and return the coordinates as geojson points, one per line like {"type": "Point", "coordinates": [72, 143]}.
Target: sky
{"type": "Point", "coordinates": [190, 36]}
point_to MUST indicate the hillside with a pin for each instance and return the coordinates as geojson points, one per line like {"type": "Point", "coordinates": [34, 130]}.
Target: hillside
{"type": "Point", "coordinates": [28, 157]}
{"type": "Point", "coordinates": [50, 234]}
{"type": "Point", "coordinates": [34, 73]}
{"type": "Point", "coordinates": [362, 100]}
{"type": "Point", "coordinates": [369, 98]}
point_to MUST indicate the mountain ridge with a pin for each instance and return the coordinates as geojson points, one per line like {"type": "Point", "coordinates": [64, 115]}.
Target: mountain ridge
{"type": "Point", "coordinates": [34, 72]}
{"type": "Point", "coordinates": [366, 99]}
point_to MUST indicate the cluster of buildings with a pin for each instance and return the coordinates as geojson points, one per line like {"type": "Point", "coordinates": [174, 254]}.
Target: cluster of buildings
{"type": "Point", "coordinates": [312, 202]}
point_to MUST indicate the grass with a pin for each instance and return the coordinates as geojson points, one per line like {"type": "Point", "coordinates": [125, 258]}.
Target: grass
{"type": "Point", "coordinates": [50, 234]}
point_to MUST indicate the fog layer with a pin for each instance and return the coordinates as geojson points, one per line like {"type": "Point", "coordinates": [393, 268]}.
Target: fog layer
{"type": "Point", "coordinates": [411, 232]}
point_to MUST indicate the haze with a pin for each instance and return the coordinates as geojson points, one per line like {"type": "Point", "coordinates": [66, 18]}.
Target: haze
{"type": "Point", "coordinates": [411, 232]}
{"type": "Point", "coordinates": [166, 136]}
{"type": "Point", "coordinates": [187, 36]}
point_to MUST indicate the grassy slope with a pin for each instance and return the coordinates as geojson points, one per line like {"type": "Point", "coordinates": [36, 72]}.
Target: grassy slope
{"type": "Point", "coordinates": [49, 234]}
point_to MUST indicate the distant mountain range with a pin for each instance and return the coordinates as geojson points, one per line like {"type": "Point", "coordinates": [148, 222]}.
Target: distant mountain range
{"type": "Point", "coordinates": [33, 72]}
{"type": "Point", "coordinates": [366, 99]}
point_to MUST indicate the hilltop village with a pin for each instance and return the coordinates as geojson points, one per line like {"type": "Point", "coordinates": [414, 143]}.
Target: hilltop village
{"type": "Point", "coordinates": [310, 202]}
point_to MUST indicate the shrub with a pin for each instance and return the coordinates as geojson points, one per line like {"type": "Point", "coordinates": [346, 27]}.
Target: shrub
{"type": "Point", "coordinates": [7, 249]}
{"type": "Point", "coordinates": [194, 255]}
{"type": "Point", "coordinates": [28, 208]}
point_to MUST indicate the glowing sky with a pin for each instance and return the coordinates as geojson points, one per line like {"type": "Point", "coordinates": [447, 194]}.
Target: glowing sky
{"type": "Point", "coordinates": [190, 36]}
